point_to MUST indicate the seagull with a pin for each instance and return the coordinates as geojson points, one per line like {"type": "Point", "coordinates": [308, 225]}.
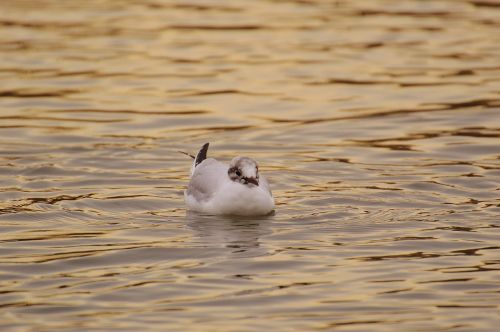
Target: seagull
{"type": "Point", "coordinates": [220, 189]}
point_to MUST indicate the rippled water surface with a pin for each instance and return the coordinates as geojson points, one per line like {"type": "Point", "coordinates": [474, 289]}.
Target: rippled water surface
{"type": "Point", "coordinates": [377, 123]}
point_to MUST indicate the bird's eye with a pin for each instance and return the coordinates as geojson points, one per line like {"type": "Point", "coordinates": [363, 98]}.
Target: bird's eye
{"type": "Point", "coordinates": [238, 172]}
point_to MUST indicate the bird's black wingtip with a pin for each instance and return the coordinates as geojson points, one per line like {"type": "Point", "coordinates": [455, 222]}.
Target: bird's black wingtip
{"type": "Point", "coordinates": [202, 154]}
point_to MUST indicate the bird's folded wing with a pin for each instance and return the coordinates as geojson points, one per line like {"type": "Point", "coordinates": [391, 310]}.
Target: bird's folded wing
{"type": "Point", "coordinates": [207, 178]}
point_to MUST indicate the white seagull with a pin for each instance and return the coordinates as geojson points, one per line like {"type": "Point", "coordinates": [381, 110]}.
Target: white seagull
{"type": "Point", "coordinates": [237, 189]}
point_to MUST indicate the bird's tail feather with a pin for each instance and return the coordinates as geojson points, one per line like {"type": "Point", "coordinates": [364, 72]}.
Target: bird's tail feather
{"type": "Point", "coordinates": [202, 155]}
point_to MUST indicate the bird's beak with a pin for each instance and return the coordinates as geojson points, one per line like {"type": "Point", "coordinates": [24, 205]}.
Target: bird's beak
{"type": "Point", "coordinates": [252, 181]}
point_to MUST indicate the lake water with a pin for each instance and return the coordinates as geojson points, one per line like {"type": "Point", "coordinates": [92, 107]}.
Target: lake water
{"type": "Point", "coordinates": [376, 122]}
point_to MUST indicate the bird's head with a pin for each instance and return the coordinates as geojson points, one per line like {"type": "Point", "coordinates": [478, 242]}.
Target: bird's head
{"type": "Point", "coordinates": [244, 170]}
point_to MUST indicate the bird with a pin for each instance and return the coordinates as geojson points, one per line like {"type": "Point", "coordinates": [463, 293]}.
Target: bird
{"type": "Point", "coordinates": [237, 189]}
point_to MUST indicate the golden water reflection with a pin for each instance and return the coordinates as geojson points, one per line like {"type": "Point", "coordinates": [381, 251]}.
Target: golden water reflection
{"type": "Point", "coordinates": [376, 122]}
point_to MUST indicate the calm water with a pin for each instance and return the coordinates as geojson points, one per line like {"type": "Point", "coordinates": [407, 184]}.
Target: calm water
{"type": "Point", "coordinates": [377, 123]}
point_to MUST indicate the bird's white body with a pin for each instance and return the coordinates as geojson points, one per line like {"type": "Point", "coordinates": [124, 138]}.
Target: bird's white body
{"type": "Point", "coordinates": [212, 191]}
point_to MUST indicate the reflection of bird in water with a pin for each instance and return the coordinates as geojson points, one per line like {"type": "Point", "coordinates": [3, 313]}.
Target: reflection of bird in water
{"type": "Point", "coordinates": [237, 189]}
{"type": "Point", "coordinates": [239, 234]}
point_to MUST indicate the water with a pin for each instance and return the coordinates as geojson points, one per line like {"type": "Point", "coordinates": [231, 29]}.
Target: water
{"type": "Point", "coordinates": [377, 124]}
